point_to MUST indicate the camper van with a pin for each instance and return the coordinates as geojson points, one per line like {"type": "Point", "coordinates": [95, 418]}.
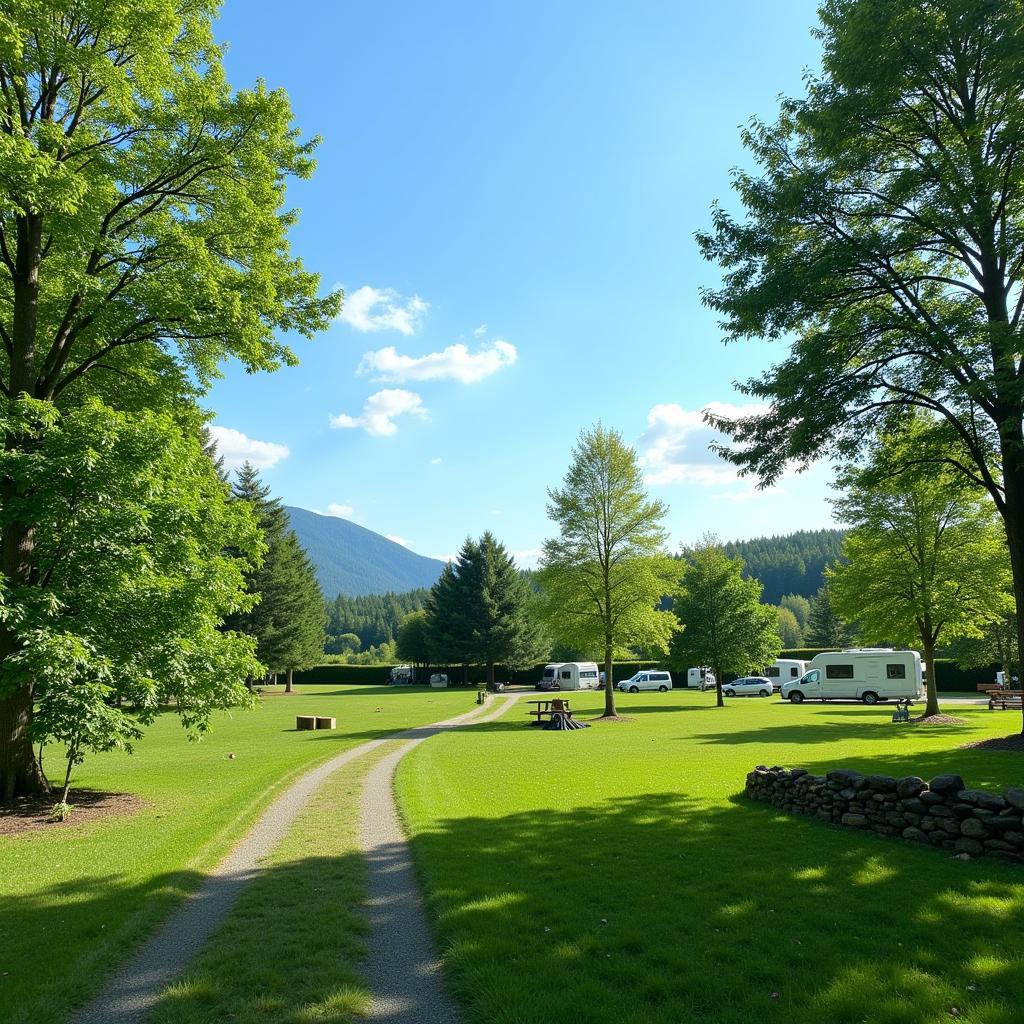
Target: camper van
{"type": "Point", "coordinates": [402, 675]}
{"type": "Point", "coordinates": [783, 670]}
{"type": "Point", "coordinates": [577, 675]}
{"type": "Point", "coordinates": [549, 678]}
{"type": "Point", "coordinates": [700, 678]}
{"type": "Point", "coordinates": [866, 674]}
{"type": "Point", "coordinates": [655, 679]}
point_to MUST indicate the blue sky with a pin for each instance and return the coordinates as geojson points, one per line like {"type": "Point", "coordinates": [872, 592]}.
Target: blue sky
{"type": "Point", "coordinates": [508, 194]}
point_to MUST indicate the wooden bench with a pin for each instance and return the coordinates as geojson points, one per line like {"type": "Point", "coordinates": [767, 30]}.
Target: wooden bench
{"type": "Point", "coordinates": [1006, 700]}
{"type": "Point", "coordinates": [305, 721]}
{"type": "Point", "coordinates": [546, 708]}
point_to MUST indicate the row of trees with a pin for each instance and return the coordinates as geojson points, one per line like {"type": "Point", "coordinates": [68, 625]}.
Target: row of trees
{"type": "Point", "coordinates": [369, 620]}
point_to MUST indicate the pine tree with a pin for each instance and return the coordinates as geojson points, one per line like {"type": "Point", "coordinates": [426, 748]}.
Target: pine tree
{"type": "Point", "coordinates": [824, 627]}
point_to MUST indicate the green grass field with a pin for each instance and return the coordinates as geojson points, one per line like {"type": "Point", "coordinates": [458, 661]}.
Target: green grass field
{"type": "Point", "coordinates": [75, 898]}
{"type": "Point", "coordinates": [614, 876]}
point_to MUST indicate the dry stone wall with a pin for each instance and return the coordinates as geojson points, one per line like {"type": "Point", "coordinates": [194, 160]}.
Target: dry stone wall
{"type": "Point", "coordinates": [942, 813]}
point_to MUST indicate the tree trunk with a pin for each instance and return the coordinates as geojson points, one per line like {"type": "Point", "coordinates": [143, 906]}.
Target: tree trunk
{"type": "Point", "coordinates": [490, 674]}
{"type": "Point", "coordinates": [719, 699]}
{"type": "Point", "coordinates": [931, 706]}
{"type": "Point", "coordinates": [19, 769]}
{"type": "Point", "coordinates": [288, 688]}
{"type": "Point", "coordinates": [1013, 520]}
{"type": "Point", "coordinates": [609, 685]}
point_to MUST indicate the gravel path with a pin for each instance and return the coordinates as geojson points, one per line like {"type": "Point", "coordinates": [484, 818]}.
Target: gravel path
{"type": "Point", "coordinates": [136, 988]}
{"type": "Point", "coordinates": [403, 970]}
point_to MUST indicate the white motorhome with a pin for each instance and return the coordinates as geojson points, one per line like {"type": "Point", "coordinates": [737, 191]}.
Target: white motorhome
{"type": "Point", "coordinates": [783, 670]}
{"type": "Point", "coordinates": [702, 678]}
{"type": "Point", "coordinates": [868, 674]}
{"type": "Point", "coordinates": [577, 675]}
{"type": "Point", "coordinates": [549, 677]}
{"type": "Point", "coordinates": [402, 675]}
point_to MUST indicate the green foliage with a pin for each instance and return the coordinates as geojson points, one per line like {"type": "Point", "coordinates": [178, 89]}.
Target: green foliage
{"type": "Point", "coordinates": [799, 606]}
{"type": "Point", "coordinates": [138, 554]}
{"type": "Point", "coordinates": [790, 633]}
{"type": "Point", "coordinates": [413, 643]}
{"type": "Point", "coordinates": [793, 564]}
{"type": "Point", "coordinates": [604, 576]}
{"type": "Point", "coordinates": [926, 560]}
{"type": "Point", "coordinates": [481, 611]}
{"type": "Point", "coordinates": [61, 811]}
{"type": "Point", "coordinates": [373, 618]}
{"type": "Point", "coordinates": [286, 615]}
{"type": "Point", "coordinates": [724, 624]}
{"type": "Point", "coordinates": [825, 628]}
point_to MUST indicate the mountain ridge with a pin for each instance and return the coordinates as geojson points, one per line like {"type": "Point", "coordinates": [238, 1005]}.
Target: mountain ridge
{"type": "Point", "coordinates": [349, 559]}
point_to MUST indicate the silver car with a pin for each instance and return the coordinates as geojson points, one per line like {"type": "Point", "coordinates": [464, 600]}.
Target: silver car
{"type": "Point", "coordinates": [748, 686]}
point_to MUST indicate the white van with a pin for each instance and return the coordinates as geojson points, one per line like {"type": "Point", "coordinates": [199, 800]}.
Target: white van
{"type": "Point", "coordinates": [403, 675]}
{"type": "Point", "coordinates": [783, 670]}
{"type": "Point", "coordinates": [549, 677]}
{"type": "Point", "coordinates": [867, 674]}
{"type": "Point", "coordinates": [648, 680]}
{"type": "Point", "coordinates": [702, 678]}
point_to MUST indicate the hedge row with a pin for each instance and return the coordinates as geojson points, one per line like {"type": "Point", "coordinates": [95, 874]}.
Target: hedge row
{"type": "Point", "coordinates": [950, 678]}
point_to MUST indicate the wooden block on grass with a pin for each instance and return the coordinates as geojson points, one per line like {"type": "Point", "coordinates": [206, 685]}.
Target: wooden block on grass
{"type": "Point", "coordinates": [305, 721]}
{"type": "Point", "coordinates": [325, 723]}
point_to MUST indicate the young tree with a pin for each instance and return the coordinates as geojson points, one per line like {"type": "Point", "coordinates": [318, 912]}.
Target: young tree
{"type": "Point", "coordinates": [413, 642]}
{"type": "Point", "coordinates": [724, 624]}
{"type": "Point", "coordinates": [604, 576]}
{"type": "Point", "coordinates": [139, 555]}
{"type": "Point", "coordinates": [142, 240]}
{"type": "Point", "coordinates": [800, 607]}
{"type": "Point", "coordinates": [883, 234]}
{"type": "Point", "coordinates": [926, 561]}
{"type": "Point", "coordinates": [824, 627]}
{"type": "Point", "coordinates": [304, 614]}
{"type": "Point", "coordinates": [790, 634]}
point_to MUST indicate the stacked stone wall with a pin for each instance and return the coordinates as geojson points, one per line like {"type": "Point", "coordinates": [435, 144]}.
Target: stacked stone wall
{"type": "Point", "coordinates": [943, 813]}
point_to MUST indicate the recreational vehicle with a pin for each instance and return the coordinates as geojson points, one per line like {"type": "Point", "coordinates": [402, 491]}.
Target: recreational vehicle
{"type": "Point", "coordinates": [577, 675]}
{"type": "Point", "coordinates": [865, 674]}
{"type": "Point", "coordinates": [783, 670]}
{"type": "Point", "coordinates": [549, 678]}
{"type": "Point", "coordinates": [439, 680]}
{"type": "Point", "coordinates": [700, 678]}
{"type": "Point", "coordinates": [402, 675]}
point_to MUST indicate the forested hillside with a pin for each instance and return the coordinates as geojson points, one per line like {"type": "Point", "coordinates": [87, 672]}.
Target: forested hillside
{"type": "Point", "coordinates": [792, 564]}
{"type": "Point", "coordinates": [374, 618]}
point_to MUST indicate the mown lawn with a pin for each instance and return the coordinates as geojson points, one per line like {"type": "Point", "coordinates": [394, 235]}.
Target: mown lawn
{"type": "Point", "coordinates": [614, 875]}
{"type": "Point", "coordinates": [75, 898]}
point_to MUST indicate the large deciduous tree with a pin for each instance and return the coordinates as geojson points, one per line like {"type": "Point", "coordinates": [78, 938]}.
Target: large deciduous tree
{"type": "Point", "coordinates": [884, 241]}
{"type": "Point", "coordinates": [143, 236]}
{"type": "Point", "coordinates": [724, 624]}
{"type": "Point", "coordinates": [926, 559]}
{"type": "Point", "coordinates": [603, 577]}
{"type": "Point", "coordinates": [138, 554]}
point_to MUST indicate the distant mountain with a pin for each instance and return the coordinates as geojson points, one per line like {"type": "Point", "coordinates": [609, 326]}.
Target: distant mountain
{"type": "Point", "coordinates": [352, 560]}
{"type": "Point", "coordinates": [792, 564]}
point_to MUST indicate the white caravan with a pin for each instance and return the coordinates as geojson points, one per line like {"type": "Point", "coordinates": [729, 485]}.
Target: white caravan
{"type": "Point", "coordinates": [439, 680]}
{"type": "Point", "coordinates": [549, 677]}
{"type": "Point", "coordinates": [402, 675]}
{"type": "Point", "coordinates": [577, 675]}
{"type": "Point", "coordinates": [700, 678]}
{"type": "Point", "coordinates": [868, 674]}
{"type": "Point", "coordinates": [783, 670]}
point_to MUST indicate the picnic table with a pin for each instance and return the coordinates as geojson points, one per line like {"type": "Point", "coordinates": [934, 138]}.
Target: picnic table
{"type": "Point", "coordinates": [1005, 700]}
{"type": "Point", "coordinates": [545, 708]}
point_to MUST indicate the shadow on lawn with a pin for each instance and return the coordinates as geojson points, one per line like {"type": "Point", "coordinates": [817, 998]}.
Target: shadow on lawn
{"type": "Point", "coordinates": [660, 909]}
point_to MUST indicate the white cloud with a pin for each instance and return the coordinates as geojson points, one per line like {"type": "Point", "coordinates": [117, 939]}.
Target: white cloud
{"type": "Point", "coordinates": [340, 511]}
{"type": "Point", "coordinates": [436, 462]}
{"type": "Point", "coordinates": [382, 309]}
{"type": "Point", "coordinates": [398, 540]}
{"type": "Point", "coordinates": [380, 411]}
{"type": "Point", "coordinates": [675, 447]}
{"type": "Point", "coordinates": [235, 448]}
{"type": "Point", "coordinates": [528, 558]}
{"type": "Point", "coordinates": [455, 362]}
{"type": "Point", "coordinates": [480, 331]}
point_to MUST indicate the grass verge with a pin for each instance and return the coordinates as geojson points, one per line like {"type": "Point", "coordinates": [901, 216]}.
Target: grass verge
{"type": "Point", "coordinates": [77, 897]}
{"type": "Point", "coordinates": [614, 876]}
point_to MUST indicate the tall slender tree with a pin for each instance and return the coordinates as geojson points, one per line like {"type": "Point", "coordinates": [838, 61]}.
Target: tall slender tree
{"type": "Point", "coordinates": [884, 242]}
{"type": "Point", "coordinates": [825, 628]}
{"type": "Point", "coordinates": [605, 574]}
{"type": "Point", "coordinates": [143, 239]}
{"type": "Point", "coordinates": [926, 560]}
{"type": "Point", "coordinates": [724, 624]}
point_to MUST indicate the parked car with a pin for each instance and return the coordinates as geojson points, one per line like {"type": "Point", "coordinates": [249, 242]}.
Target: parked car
{"type": "Point", "coordinates": [646, 681]}
{"type": "Point", "coordinates": [748, 686]}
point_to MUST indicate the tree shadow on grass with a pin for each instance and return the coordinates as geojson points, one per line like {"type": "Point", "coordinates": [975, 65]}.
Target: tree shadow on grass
{"type": "Point", "coordinates": [661, 909]}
